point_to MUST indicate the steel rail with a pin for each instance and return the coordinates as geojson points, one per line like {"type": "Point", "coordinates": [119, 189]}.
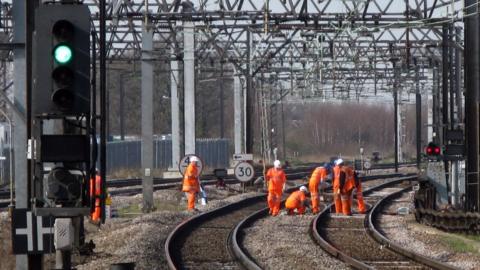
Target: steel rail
{"type": "Point", "coordinates": [244, 258]}
{"type": "Point", "coordinates": [192, 222]}
{"type": "Point", "coordinates": [333, 250]}
{"type": "Point", "coordinates": [161, 184]}
{"type": "Point", "coordinates": [172, 257]}
{"type": "Point", "coordinates": [384, 241]}
{"type": "Point", "coordinates": [210, 178]}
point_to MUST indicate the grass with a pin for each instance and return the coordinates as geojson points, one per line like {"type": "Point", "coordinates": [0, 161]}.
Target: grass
{"type": "Point", "coordinates": [462, 243]}
{"type": "Point", "coordinates": [473, 237]}
{"type": "Point", "coordinates": [135, 209]}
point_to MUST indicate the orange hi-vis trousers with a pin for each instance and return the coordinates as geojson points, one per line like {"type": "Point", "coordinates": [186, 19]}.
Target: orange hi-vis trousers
{"type": "Point", "coordinates": [191, 199]}
{"type": "Point", "coordinates": [96, 215]}
{"type": "Point", "coordinates": [338, 203]}
{"type": "Point", "coordinates": [315, 197]}
{"type": "Point", "coordinates": [361, 203]}
{"type": "Point", "coordinates": [291, 208]}
{"type": "Point", "coordinates": [274, 200]}
{"type": "Point", "coordinates": [95, 183]}
{"type": "Point", "coordinates": [346, 203]}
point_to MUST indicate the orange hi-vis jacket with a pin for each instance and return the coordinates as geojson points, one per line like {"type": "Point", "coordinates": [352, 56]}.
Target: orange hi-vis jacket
{"type": "Point", "coordinates": [349, 183]}
{"type": "Point", "coordinates": [97, 181]}
{"type": "Point", "coordinates": [97, 211]}
{"type": "Point", "coordinates": [319, 175]}
{"type": "Point", "coordinates": [276, 178]}
{"type": "Point", "coordinates": [336, 179]}
{"type": "Point", "coordinates": [343, 179]}
{"type": "Point", "coordinates": [295, 200]}
{"type": "Point", "coordinates": [190, 179]}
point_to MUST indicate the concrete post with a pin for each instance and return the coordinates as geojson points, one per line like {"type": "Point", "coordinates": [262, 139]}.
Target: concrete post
{"type": "Point", "coordinates": [189, 85]}
{"type": "Point", "coordinates": [147, 118]}
{"type": "Point", "coordinates": [20, 129]}
{"type": "Point", "coordinates": [237, 108]}
{"type": "Point", "coordinates": [430, 116]}
{"type": "Point", "coordinates": [122, 106]}
{"type": "Point", "coordinates": [418, 116]}
{"type": "Point", "coordinates": [175, 112]}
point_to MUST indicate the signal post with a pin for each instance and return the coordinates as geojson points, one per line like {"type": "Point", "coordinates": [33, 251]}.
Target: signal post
{"type": "Point", "coordinates": [61, 157]}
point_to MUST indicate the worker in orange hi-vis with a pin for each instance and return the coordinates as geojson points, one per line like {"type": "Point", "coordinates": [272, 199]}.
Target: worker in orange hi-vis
{"type": "Point", "coordinates": [276, 179]}
{"type": "Point", "coordinates": [296, 200]}
{"type": "Point", "coordinates": [359, 192]}
{"type": "Point", "coordinates": [347, 184]}
{"type": "Point", "coordinates": [95, 184]}
{"type": "Point", "coordinates": [191, 185]}
{"type": "Point", "coordinates": [336, 185]}
{"type": "Point", "coordinates": [316, 181]}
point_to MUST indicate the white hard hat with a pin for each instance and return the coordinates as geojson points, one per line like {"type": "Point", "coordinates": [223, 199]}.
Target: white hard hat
{"type": "Point", "coordinates": [339, 161]}
{"type": "Point", "coordinates": [193, 159]}
{"type": "Point", "coordinates": [276, 163]}
{"type": "Point", "coordinates": [303, 188]}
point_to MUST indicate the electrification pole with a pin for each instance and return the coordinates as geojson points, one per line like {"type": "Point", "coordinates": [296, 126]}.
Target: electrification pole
{"type": "Point", "coordinates": [472, 85]}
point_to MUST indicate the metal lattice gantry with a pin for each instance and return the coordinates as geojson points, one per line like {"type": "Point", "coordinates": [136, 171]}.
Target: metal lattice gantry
{"type": "Point", "coordinates": [336, 43]}
{"type": "Point", "coordinates": [355, 40]}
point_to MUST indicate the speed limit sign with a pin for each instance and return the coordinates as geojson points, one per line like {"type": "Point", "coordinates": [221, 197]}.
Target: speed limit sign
{"type": "Point", "coordinates": [183, 164]}
{"type": "Point", "coordinates": [244, 171]}
{"type": "Point", "coordinates": [367, 165]}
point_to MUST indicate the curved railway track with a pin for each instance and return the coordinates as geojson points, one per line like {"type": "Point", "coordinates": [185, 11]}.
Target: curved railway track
{"type": "Point", "coordinates": [348, 238]}
{"type": "Point", "coordinates": [244, 252]}
{"type": "Point", "coordinates": [202, 242]}
{"type": "Point", "coordinates": [376, 233]}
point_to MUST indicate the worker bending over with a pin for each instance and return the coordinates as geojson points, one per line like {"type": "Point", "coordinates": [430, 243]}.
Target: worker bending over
{"type": "Point", "coordinates": [316, 181]}
{"type": "Point", "coordinates": [191, 184]}
{"type": "Point", "coordinates": [276, 179]}
{"type": "Point", "coordinates": [336, 185]}
{"type": "Point", "coordinates": [343, 185]}
{"type": "Point", "coordinates": [297, 200]}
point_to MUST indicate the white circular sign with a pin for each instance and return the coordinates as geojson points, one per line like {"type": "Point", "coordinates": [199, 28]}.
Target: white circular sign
{"type": "Point", "coordinates": [367, 165]}
{"type": "Point", "coordinates": [183, 164]}
{"type": "Point", "coordinates": [244, 171]}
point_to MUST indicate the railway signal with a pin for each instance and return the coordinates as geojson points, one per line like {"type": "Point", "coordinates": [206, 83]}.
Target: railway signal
{"type": "Point", "coordinates": [433, 150]}
{"type": "Point", "coordinates": [61, 91]}
{"type": "Point", "coordinates": [62, 61]}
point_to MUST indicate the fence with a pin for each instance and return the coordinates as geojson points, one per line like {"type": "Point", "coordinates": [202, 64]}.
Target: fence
{"type": "Point", "coordinates": [127, 154]}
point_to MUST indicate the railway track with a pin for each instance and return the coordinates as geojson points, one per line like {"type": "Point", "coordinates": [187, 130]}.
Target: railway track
{"type": "Point", "coordinates": [294, 228]}
{"type": "Point", "coordinates": [202, 242]}
{"type": "Point", "coordinates": [376, 232]}
{"type": "Point", "coordinates": [348, 238]}
{"type": "Point", "coordinates": [208, 179]}
{"type": "Point", "coordinates": [163, 183]}
{"type": "Point", "coordinates": [160, 183]}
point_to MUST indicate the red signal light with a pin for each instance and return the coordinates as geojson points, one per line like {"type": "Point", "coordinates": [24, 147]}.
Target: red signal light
{"type": "Point", "coordinates": [433, 149]}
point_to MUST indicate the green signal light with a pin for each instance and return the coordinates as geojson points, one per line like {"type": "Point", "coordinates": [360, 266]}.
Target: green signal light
{"type": "Point", "coordinates": [62, 54]}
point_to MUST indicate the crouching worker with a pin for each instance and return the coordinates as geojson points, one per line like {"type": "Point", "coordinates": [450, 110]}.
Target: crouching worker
{"type": "Point", "coordinates": [297, 200]}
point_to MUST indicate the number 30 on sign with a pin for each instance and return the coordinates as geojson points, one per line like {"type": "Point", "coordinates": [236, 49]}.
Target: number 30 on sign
{"type": "Point", "coordinates": [244, 172]}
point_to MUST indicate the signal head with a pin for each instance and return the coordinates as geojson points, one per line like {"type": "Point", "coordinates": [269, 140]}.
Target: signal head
{"type": "Point", "coordinates": [63, 30]}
